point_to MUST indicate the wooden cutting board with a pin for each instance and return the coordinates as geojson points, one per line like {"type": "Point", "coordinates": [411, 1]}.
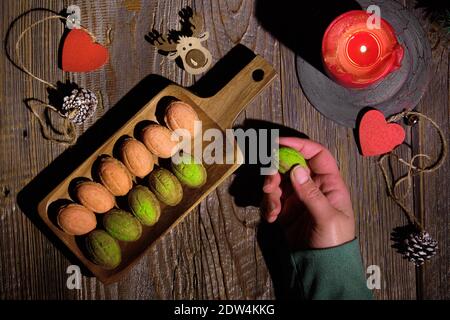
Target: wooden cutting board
{"type": "Point", "coordinates": [218, 111]}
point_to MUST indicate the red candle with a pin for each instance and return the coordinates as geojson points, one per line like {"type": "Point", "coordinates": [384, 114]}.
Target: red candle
{"type": "Point", "coordinates": [356, 56]}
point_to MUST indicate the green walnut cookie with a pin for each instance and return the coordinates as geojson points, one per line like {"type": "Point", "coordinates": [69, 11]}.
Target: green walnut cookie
{"type": "Point", "coordinates": [191, 174]}
{"type": "Point", "coordinates": [122, 225]}
{"type": "Point", "coordinates": [103, 249]}
{"type": "Point", "coordinates": [144, 205]}
{"type": "Point", "coordinates": [165, 186]}
{"type": "Point", "coordinates": [288, 158]}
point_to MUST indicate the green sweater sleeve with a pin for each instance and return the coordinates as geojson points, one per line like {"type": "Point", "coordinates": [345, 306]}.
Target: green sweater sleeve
{"type": "Point", "coordinates": [332, 273]}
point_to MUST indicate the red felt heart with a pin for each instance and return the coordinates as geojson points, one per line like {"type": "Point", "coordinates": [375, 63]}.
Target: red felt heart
{"type": "Point", "coordinates": [376, 136]}
{"type": "Point", "coordinates": [80, 54]}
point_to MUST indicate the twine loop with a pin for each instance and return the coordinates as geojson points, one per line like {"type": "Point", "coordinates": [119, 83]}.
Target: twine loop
{"type": "Point", "coordinates": [68, 135]}
{"type": "Point", "coordinates": [22, 34]}
{"type": "Point", "coordinates": [413, 169]}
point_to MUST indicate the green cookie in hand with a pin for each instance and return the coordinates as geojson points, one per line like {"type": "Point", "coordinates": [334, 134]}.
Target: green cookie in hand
{"type": "Point", "coordinates": [288, 158]}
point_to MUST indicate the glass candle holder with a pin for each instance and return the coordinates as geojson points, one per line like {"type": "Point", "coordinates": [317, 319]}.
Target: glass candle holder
{"type": "Point", "coordinates": [356, 56]}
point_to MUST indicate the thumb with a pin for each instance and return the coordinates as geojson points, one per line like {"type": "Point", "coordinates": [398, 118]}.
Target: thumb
{"type": "Point", "coordinates": [309, 193]}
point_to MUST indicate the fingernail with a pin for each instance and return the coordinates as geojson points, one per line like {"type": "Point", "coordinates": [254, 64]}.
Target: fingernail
{"type": "Point", "coordinates": [300, 174]}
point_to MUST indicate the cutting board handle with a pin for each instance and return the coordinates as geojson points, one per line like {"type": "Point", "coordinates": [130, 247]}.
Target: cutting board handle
{"type": "Point", "coordinates": [240, 91]}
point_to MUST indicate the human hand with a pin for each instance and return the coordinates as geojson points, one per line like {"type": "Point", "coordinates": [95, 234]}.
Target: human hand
{"type": "Point", "coordinates": [312, 204]}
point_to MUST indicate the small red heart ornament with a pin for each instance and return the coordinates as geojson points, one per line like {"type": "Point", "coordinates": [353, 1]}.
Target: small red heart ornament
{"type": "Point", "coordinates": [81, 54]}
{"type": "Point", "coordinates": [376, 136]}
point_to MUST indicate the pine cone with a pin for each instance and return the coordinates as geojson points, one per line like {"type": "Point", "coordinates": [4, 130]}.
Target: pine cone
{"type": "Point", "coordinates": [420, 247]}
{"type": "Point", "coordinates": [79, 106]}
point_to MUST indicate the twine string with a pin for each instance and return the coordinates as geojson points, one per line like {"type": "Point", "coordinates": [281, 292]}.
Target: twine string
{"type": "Point", "coordinates": [108, 36]}
{"type": "Point", "coordinates": [22, 34]}
{"type": "Point", "coordinates": [69, 135]}
{"type": "Point", "coordinates": [413, 170]}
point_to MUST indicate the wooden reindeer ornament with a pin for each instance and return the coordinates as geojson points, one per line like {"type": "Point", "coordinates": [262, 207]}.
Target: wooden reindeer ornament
{"type": "Point", "coordinates": [186, 43]}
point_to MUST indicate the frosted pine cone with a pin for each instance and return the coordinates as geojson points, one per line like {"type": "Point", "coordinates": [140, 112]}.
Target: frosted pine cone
{"type": "Point", "coordinates": [420, 247]}
{"type": "Point", "coordinates": [79, 106]}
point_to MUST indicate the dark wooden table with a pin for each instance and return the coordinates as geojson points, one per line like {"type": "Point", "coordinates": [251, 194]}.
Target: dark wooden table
{"type": "Point", "coordinates": [215, 252]}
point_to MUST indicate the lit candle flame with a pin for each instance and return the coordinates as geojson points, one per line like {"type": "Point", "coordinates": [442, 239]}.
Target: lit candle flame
{"type": "Point", "coordinates": [363, 49]}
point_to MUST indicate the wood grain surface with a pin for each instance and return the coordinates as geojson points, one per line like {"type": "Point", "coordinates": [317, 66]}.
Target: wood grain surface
{"type": "Point", "coordinates": [216, 252]}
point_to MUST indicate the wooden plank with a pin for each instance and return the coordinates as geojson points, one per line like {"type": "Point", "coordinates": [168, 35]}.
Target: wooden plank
{"type": "Point", "coordinates": [215, 252]}
{"type": "Point", "coordinates": [432, 200]}
{"type": "Point", "coordinates": [211, 267]}
{"type": "Point", "coordinates": [30, 263]}
{"type": "Point", "coordinates": [376, 214]}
